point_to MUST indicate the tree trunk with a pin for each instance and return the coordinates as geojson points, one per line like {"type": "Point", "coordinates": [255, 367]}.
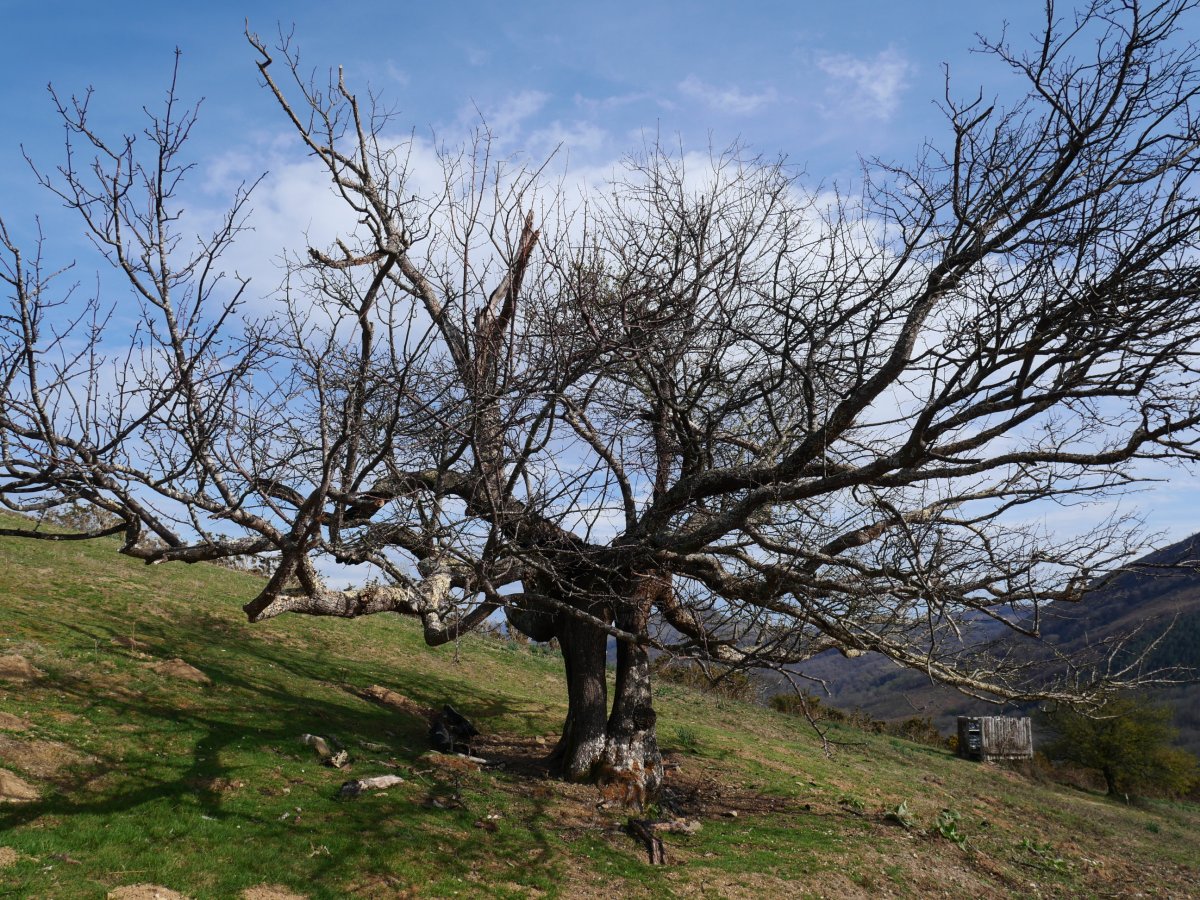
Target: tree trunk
{"type": "Point", "coordinates": [1110, 781]}
{"type": "Point", "coordinates": [631, 753]}
{"type": "Point", "coordinates": [582, 743]}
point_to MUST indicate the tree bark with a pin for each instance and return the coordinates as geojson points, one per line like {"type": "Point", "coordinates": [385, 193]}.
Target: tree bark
{"type": "Point", "coordinates": [631, 752]}
{"type": "Point", "coordinates": [1110, 781]}
{"type": "Point", "coordinates": [632, 743]}
{"type": "Point", "coordinates": [582, 743]}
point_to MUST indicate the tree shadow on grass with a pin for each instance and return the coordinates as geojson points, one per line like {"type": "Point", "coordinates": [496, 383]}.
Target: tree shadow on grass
{"type": "Point", "coordinates": [243, 728]}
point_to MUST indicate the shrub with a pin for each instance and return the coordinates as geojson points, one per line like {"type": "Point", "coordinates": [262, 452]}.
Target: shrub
{"type": "Point", "coordinates": [1129, 742]}
{"type": "Point", "coordinates": [919, 730]}
{"type": "Point", "coordinates": [796, 704]}
{"type": "Point", "coordinates": [720, 681]}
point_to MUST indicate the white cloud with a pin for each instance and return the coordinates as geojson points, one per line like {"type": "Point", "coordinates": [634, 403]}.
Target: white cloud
{"type": "Point", "coordinates": [293, 208]}
{"type": "Point", "coordinates": [732, 100]}
{"type": "Point", "coordinates": [398, 75]}
{"type": "Point", "coordinates": [865, 87]}
{"type": "Point", "coordinates": [505, 118]}
{"type": "Point", "coordinates": [613, 101]}
{"type": "Point", "coordinates": [572, 137]}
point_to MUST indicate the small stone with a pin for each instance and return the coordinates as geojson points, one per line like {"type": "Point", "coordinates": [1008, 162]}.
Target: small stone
{"type": "Point", "coordinates": [378, 783]}
{"type": "Point", "coordinates": [318, 743]}
{"type": "Point", "coordinates": [338, 760]}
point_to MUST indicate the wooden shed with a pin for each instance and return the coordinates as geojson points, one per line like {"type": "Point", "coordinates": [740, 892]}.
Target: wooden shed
{"type": "Point", "coordinates": [992, 738]}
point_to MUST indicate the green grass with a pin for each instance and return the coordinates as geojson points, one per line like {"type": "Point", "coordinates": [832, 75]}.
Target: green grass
{"type": "Point", "coordinates": [205, 788]}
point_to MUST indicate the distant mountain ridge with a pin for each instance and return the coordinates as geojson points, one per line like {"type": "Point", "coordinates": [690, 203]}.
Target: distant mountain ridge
{"type": "Point", "coordinates": [1157, 590]}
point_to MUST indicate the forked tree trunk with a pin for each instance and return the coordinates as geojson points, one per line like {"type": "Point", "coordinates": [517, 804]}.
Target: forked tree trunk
{"type": "Point", "coordinates": [597, 745]}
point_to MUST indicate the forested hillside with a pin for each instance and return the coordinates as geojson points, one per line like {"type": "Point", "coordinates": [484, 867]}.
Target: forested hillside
{"type": "Point", "coordinates": [1156, 599]}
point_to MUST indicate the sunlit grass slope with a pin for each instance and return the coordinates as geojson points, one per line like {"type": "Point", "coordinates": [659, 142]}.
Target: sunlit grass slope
{"type": "Point", "coordinates": [205, 789]}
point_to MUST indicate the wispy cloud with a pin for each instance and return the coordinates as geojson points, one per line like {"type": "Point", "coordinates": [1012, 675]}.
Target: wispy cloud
{"type": "Point", "coordinates": [732, 99]}
{"type": "Point", "coordinates": [477, 56]}
{"type": "Point", "coordinates": [570, 136]}
{"type": "Point", "coordinates": [866, 87]}
{"type": "Point", "coordinates": [396, 74]}
{"type": "Point", "coordinates": [506, 117]}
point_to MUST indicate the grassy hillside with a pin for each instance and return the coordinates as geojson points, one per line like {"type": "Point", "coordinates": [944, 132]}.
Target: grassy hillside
{"type": "Point", "coordinates": [204, 788]}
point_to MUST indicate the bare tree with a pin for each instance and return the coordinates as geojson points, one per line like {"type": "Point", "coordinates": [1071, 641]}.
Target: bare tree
{"type": "Point", "coordinates": [705, 411]}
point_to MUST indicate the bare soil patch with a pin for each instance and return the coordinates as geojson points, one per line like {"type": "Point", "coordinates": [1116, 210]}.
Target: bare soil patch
{"type": "Point", "coordinates": [377, 693]}
{"type": "Point", "coordinates": [17, 668]}
{"type": "Point", "coordinates": [524, 756]}
{"type": "Point", "coordinates": [8, 857]}
{"type": "Point", "coordinates": [137, 649]}
{"type": "Point", "coordinates": [41, 759]}
{"type": "Point", "coordinates": [14, 789]}
{"type": "Point", "coordinates": [271, 892]}
{"type": "Point", "coordinates": [145, 892]}
{"type": "Point", "coordinates": [381, 887]}
{"type": "Point", "coordinates": [178, 668]}
{"type": "Point", "coordinates": [9, 722]}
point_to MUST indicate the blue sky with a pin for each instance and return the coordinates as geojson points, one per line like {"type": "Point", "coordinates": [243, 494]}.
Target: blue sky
{"type": "Point", "coordinates": [820, 83]}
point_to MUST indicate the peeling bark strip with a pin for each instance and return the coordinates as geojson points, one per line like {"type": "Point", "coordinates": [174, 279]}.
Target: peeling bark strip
{"type": "Point", "coordinates": [838, 408]}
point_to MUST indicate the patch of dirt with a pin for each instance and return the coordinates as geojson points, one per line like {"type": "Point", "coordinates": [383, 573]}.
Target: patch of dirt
{"type": "Point", "coordinates": [216, 785]}
{"type": "Point", "coordinates": [377, 693]}
{"type": "Point", "coordinates": [17, 668]}
{"type": "Point", "coordinates": [9, 722]}
{"type": "Point", "coordinates": [448, 763]}
{"type": "Point", "coordinates": [42, 759]}
{"type": "Point", "coordinates": [695, 793]}
{"type": "Point", "coordinates": [14, 789]}
{"type": "Point", "coordinates": [526, 756]}
{"type": "Point", "coordinates": [379, 887]}
{"type": "Point", "coordinates": [271, 892]}
{"type": "Point", "coordinates": [136, 648]}
{"type": "Point", "coordinates": [177, 668]}
{"type": "Point", "coordinates": [144, 892]}
{"type": "Point", "coordinates": [8, 857]}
